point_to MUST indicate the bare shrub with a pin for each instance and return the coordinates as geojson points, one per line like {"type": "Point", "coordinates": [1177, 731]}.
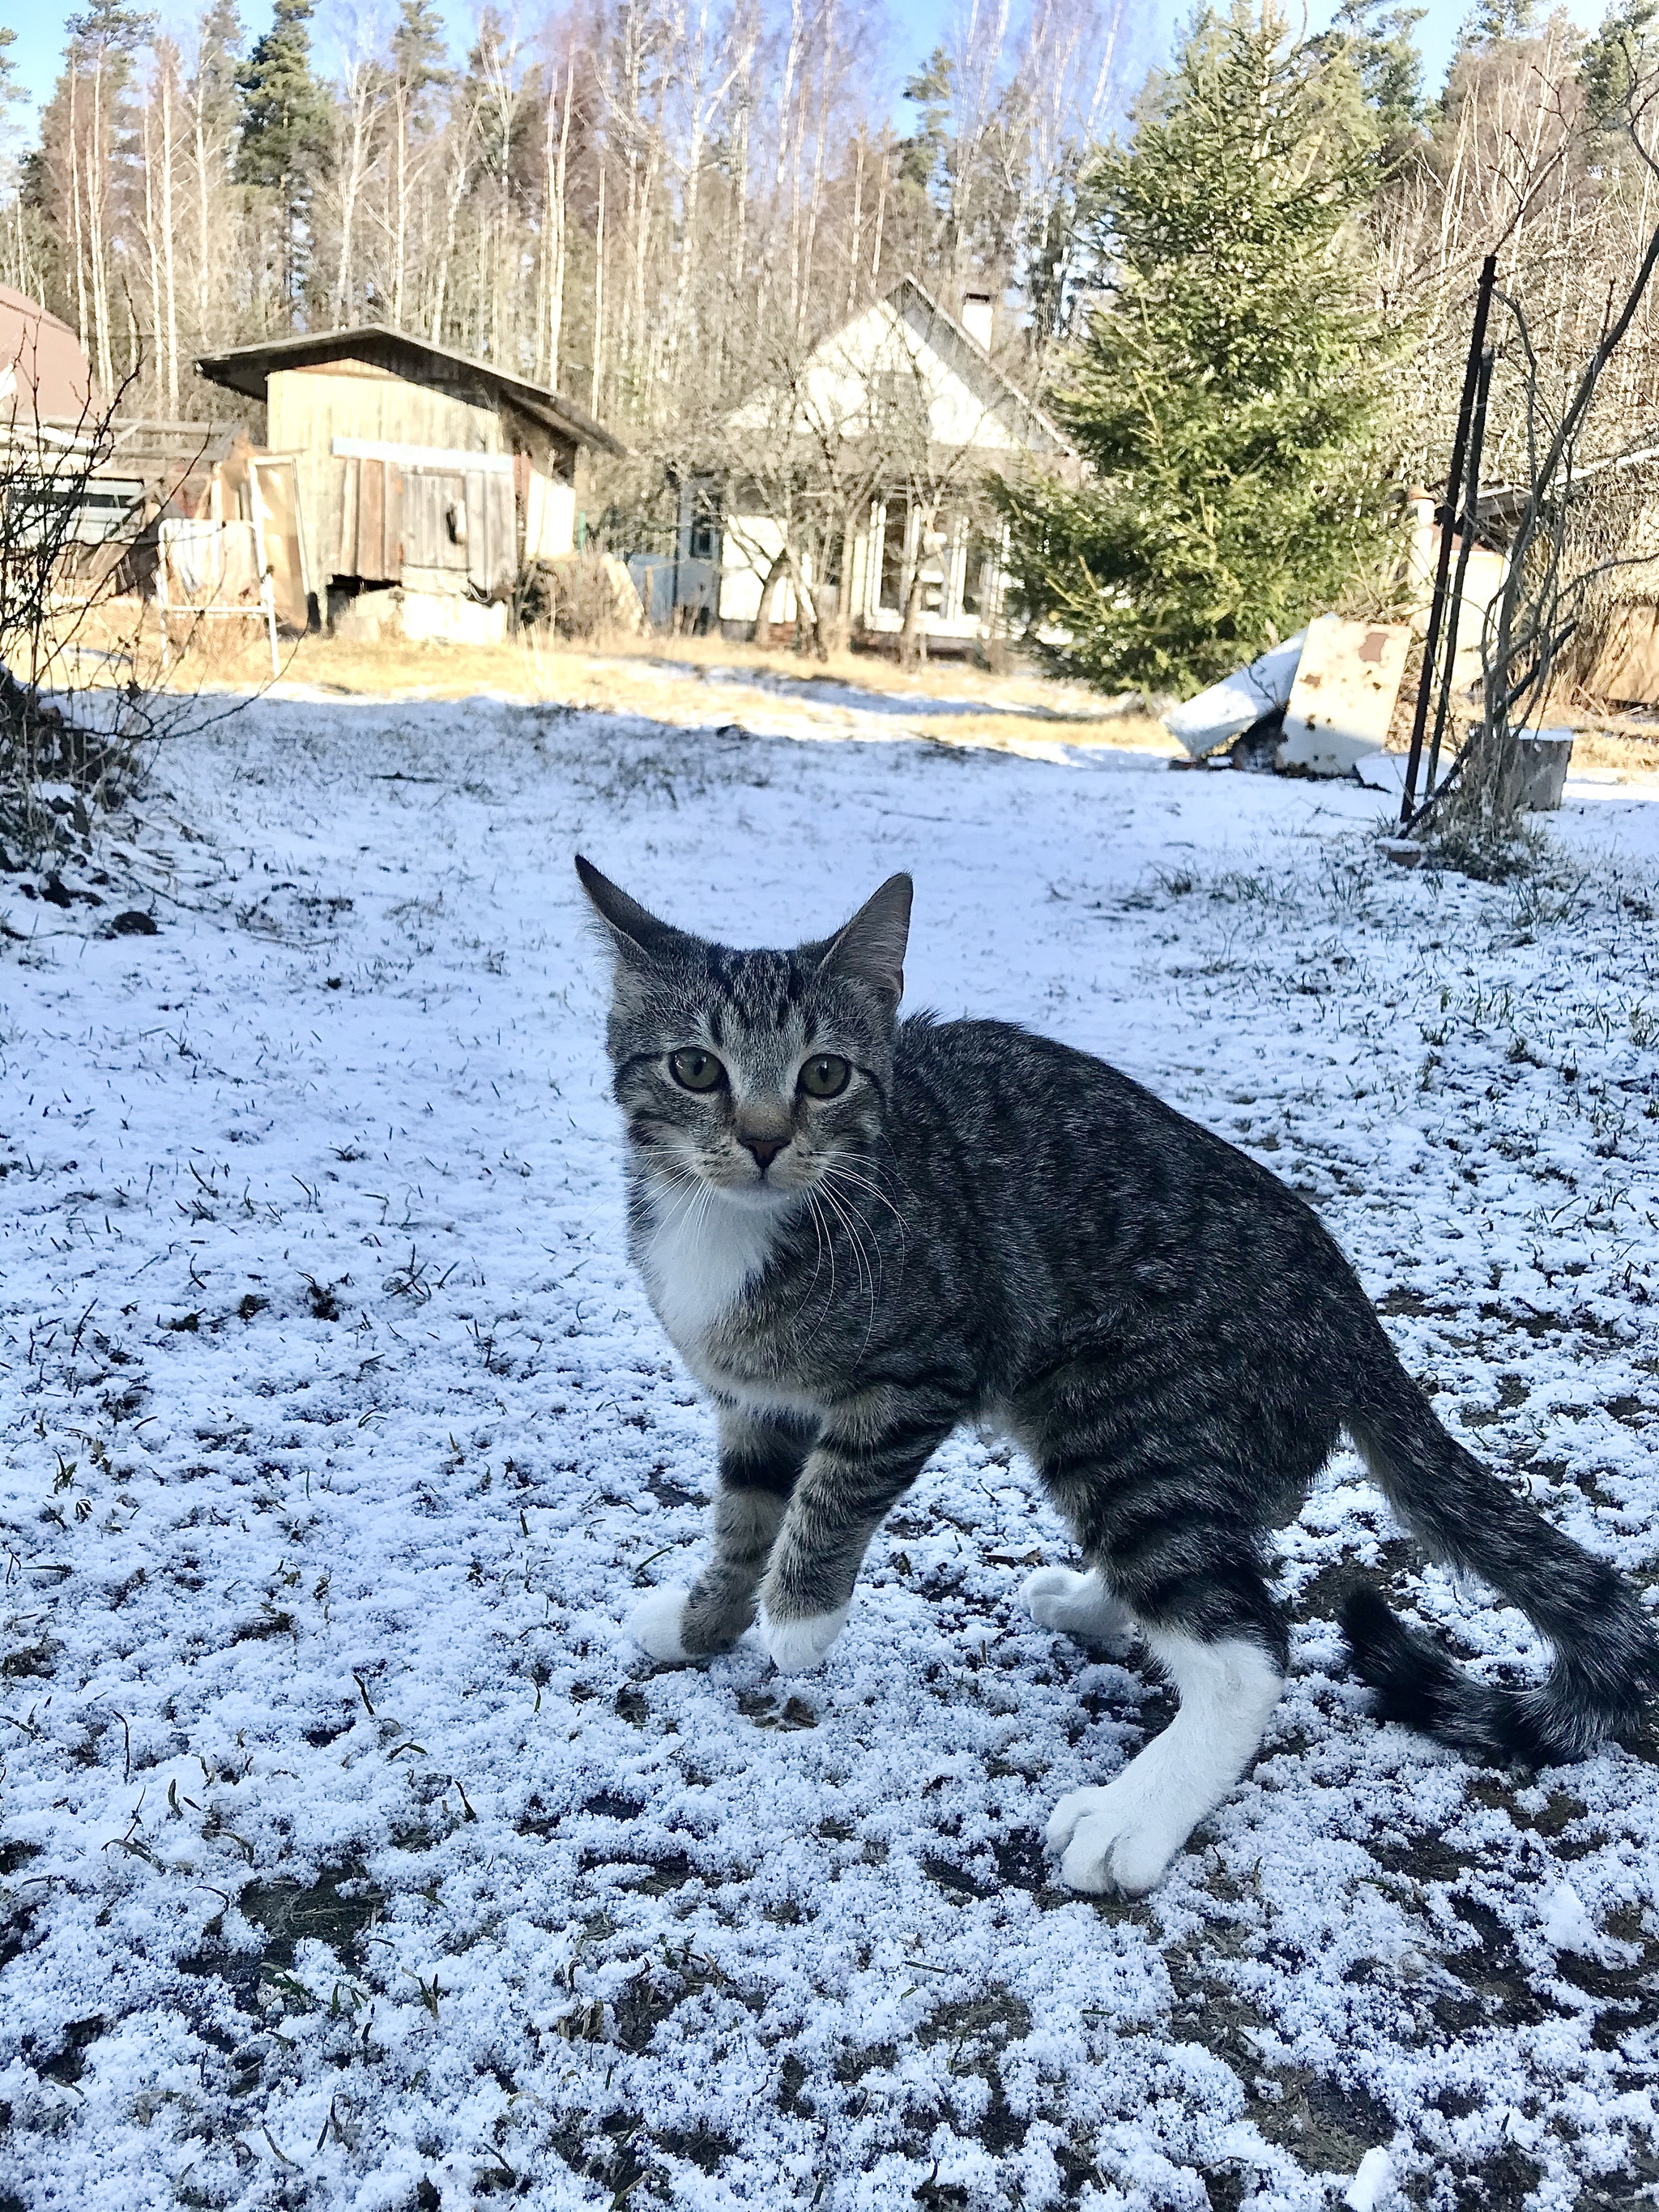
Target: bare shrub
{"type": "Point", "coordinates": [70, 623]}
{"type": "Point", "coordinates": [80, 702]}
{"type": "Point", "coordinates": [584, 596]}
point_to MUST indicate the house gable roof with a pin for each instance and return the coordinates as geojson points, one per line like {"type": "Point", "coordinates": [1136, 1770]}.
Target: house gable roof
{"type": "Point", "coordinates": [838, 369]}
{"type": "Point", "coordinates": [248, 368]}
{"type": "Point", "coordinates": [975, 360]}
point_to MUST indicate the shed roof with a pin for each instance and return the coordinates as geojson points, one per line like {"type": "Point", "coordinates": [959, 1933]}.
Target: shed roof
{"type": "Point", "coordinates": [42, 365]}
{"type": "Point", "coordinates": [246, 369]}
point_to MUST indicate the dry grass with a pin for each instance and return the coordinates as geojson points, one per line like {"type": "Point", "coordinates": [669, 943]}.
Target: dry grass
{"type": "Point", "coordinates": [694, 683]}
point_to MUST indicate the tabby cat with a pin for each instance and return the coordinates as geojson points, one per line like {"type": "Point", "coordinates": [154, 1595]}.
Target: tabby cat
{"type": "Point", "coordinates": [860, 1233]}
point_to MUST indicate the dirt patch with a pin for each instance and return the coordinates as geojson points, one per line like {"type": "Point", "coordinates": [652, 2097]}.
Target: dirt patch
{"type": "Point", "coordinates": [1325, 2123]}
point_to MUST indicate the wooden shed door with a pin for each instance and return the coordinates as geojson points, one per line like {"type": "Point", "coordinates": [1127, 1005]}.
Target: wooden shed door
{"type": "Point", "coordinates": [435, 520]}
{"type": "Point", "coordinates": [372, 521]}
{"type": "Point", "coordinates": [492, 533]}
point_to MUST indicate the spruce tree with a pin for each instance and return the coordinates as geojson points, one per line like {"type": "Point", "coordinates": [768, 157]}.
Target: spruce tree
{"type": "Point", "coordinates": [284, 130]}
{"type": "Point", "coordinates": [1228, 396]}
{"type": "Point", "coordinates": [1376, 39]}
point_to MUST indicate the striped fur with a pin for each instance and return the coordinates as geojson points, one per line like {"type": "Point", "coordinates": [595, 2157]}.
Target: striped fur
{"type": "Point", "coordinates": [985, 1225]}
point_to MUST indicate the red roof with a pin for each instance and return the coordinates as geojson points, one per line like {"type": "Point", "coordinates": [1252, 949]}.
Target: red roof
{"type": "Point", "coordinates": [42, 365]}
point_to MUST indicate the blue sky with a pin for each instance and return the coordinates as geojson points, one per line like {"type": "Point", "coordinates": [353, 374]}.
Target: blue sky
{"type": "Point", "coordinates": [40, 29]}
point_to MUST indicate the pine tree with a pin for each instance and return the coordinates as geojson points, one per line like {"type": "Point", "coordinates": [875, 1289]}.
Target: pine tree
{"type": "Point", "coordinates": [923, 157]}
{"type": "Point", "coordinates": [1618, 56]}
{"type": "Point", "coordinates": [13, 249]}
{"type": "Point", "coordinates": [1376, 38]}
{"type": "Point", "coordinates": [1229, 394]}
{"type": "Point", "coordinates": [9, 87]}
{"type": "Point", "coordinates": [1490, 21]}
{"type": "Point", "coordinates": [213, 81]}
{"type": "Point", "coordinates": [284, 131]}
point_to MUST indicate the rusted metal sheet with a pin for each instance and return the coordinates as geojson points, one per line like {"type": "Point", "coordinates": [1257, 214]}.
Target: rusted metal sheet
{"type": "Point", "coordinates": [1342, 702]}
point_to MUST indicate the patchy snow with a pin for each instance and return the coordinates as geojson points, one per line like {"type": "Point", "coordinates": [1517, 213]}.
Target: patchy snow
{"type": "Point", "coordinates": [350, 1853]}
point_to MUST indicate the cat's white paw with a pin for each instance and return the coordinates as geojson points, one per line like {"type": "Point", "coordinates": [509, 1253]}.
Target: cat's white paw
{"type": "Point", "coordinates": [794, 1645]}
{"type": "Point", "coordinates": [654, 1624]}
{"type": "Point", "coordinates": [1113, 1837]}
{"type": "Point", "coordinates": [1123, 1836]}
{"type": "Point", "coordinates": [1077, 1605]}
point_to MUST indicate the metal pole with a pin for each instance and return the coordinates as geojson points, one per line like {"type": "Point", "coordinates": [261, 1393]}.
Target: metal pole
{"type": "Point", "coordinates": [1448, 516]}
{"type": "Point", "coordinates": [1466, 542]}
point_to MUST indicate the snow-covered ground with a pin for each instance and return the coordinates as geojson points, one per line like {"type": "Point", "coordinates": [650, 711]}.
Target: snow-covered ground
{"type": "Point", "coordinates": [351, 1856]}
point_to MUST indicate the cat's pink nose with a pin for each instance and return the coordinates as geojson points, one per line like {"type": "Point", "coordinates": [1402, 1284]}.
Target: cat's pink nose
{"type": "Point", "coordinates": [765, 1149]}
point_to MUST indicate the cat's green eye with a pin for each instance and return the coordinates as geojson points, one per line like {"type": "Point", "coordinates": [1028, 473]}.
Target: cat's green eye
{"type": "Point", "coordinates": [826, 1076]}
{"type": "Point", "coordinates": [694, 1069]}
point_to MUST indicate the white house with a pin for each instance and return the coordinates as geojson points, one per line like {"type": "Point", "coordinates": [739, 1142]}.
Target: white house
{"type": "Point", "coordinates": [904, 409]}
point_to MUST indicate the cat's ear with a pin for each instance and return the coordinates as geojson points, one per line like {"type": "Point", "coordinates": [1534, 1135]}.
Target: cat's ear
{"type": "Point", "coordinates": [637, 936]}
{"type": "Point", "coordinates": [870, 949]}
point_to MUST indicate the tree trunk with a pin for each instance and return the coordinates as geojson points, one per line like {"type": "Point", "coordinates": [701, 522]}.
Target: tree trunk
{"type": "Point", "coordinates": [912, 639]}
{"type": "Point", "coordinates": [598, 298]}
{"type": "Point", "coordinates": [171, 326]}
{"type": "Point", "coordinates": [808, 620]}
{"type": "Point", "coordinates": [763, 619]}
{"type": "Point", "coordinates": [558, 163]}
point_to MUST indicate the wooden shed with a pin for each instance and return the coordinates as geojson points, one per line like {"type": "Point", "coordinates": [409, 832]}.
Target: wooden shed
{"type": "Point", "coordinates": [417, 467]}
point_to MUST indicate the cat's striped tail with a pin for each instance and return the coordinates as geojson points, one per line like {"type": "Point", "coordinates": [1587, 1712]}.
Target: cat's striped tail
{"type": "Point", "coordinates": [1606, 1660]}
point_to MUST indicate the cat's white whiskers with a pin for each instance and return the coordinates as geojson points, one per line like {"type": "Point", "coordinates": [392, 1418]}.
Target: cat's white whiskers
{"type": "Point", "coordinates": [684, 1195]}
{"type": "Point", "coordinates": [817, 1231]}
{"type": "Point", "coordinates": [867, 1276]}
{"type": "Point", "coordinates": [826, 1191]}
{"type": "Point", "coordinates": [836, 1163]}
{"type": "Point", "coordinates": [836, 1177]}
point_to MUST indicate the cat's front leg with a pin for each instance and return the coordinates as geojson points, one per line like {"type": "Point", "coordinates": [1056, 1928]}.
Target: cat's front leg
{"type": "Point", "coordinates": [761, 1459]}
{"type": "Point", "coordinates": [866, 1458]}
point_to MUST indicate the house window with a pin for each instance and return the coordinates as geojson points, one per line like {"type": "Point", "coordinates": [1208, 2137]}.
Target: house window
{"type": "Point", "coordinates": [893, 579]}
{"type": "Point", "coordinates": [702, 542]}
{"type": "Point", "coordinates": [977, 573]}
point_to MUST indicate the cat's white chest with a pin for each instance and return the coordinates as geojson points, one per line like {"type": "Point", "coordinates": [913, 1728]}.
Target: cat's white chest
{"type": "Point", "coordinates": [698, 1256]}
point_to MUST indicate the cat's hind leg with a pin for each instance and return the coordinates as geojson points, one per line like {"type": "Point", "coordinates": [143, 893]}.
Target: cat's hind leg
{"type": "Point", "coordinates": [1079, 1605]}
{"type": "Point", "coordinates": [1156, 1461]}
{"type": "Point", "coordinates": [761, 1459]}
{"type": "Point", "coordinates": [1123, 1834]}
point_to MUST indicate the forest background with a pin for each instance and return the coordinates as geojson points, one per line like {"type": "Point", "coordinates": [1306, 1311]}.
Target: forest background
{"type": "Point", "coordinates": [645, 203]}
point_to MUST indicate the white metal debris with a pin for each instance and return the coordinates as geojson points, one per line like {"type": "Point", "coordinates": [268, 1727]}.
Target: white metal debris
{"type": "Point", "coordinates": [1227, 709]}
